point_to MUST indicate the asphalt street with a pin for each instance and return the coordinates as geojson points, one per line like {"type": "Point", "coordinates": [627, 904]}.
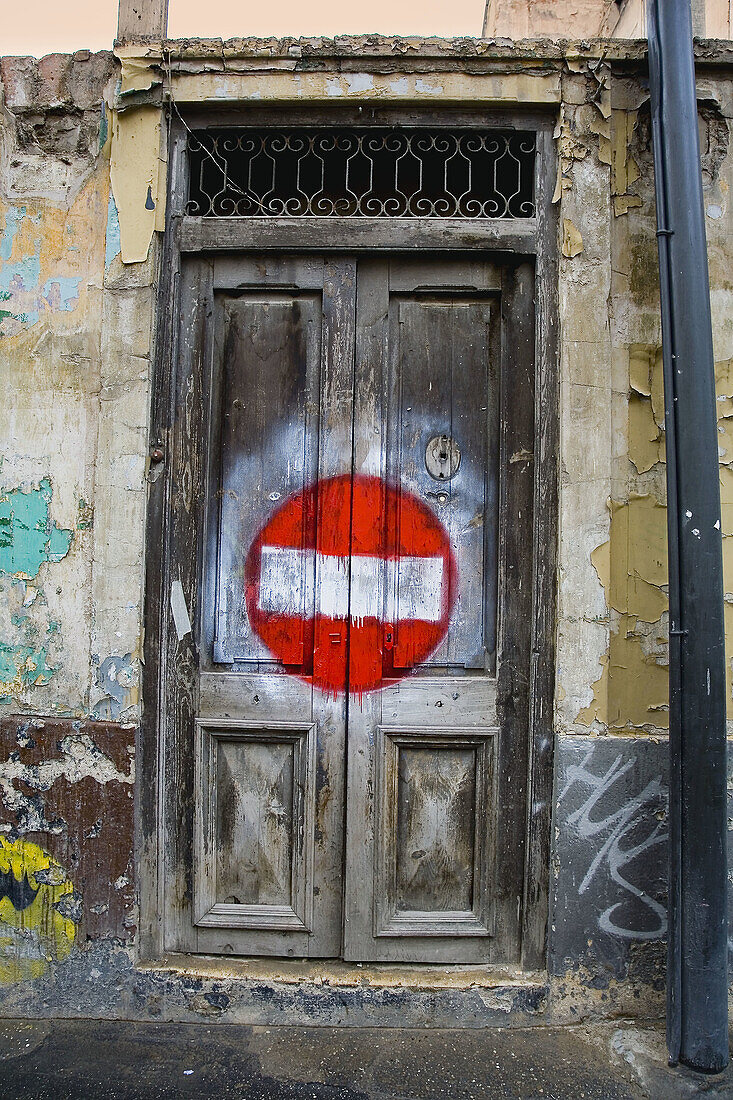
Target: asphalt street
{"type": "Point", "coordinates": [122, 1060]}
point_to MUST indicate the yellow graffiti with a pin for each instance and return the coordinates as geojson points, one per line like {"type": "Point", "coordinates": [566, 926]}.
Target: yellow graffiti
{"type": "Point", "coordinates": [35, 900]}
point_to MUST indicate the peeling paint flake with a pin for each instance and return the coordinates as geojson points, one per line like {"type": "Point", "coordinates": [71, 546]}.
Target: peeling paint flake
{"type": "Point", "coordinates": [112, 239]}
{"type": "Point", "coordinates": [28, 537]}
{"type": "Point", "coordinates": [624, 169]}
{"type": "Point", "coordinates": [632, 565]}
{"type": "Point", "coordinates": [633, 689]}
{"type": "Point", "coordinates": [23, 300]}
{"type": "Point", "coordinates": [137, 177]}
{"type": "Point", "coordinates": [646, 446]}
{"type": "Point", "coordinates": [117, 679]}
{"type": "Point", "coordinates": [572, 241]}
{"type": "Point", "coordinates": [22, 667]}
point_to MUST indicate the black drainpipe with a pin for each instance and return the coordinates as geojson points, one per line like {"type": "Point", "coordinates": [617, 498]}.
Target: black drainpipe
{"type": "Point", "coordinates": [697, 993]}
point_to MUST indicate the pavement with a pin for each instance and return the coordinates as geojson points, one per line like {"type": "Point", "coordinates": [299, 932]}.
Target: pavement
{"type": "Point", "coordinates": [123, 1060]}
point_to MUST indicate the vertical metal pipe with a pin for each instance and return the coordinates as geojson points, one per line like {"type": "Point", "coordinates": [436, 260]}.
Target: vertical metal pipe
{"type": "Point", "coordinates": [697, 993]}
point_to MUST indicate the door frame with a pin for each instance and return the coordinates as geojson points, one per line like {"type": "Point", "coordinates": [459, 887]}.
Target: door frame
{"type": "Point", "coordinates": [507, 242]}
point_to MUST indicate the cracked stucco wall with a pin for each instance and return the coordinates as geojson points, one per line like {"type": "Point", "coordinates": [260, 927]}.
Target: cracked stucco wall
{"type": "Point", "coordinates": [613, 628]}
{"type": "Point", "coordinates": [75, 344]}
{"type": "Point", "coordinates": [77, 198]}
{"type": "Point", "coordinates": [76, 328]}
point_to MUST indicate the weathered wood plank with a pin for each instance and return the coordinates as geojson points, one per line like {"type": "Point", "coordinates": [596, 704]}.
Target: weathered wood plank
{"type": "Point", "coordinates": [187, 489]}
{"type": "Point", "coordinates": [246, 695]}
{"type": "Point", "coordinates": [254, 826]}
{"type": "Point", "coordinates": [356, 234]}
{"type": "Point", "coordinates": [142, 19]}
{"type": "Point", "coordinates": [539, 791]}
{"type": "Point", "coordinates": [150, 761]}
{"type": "Point", "coordinates": [459, 700]}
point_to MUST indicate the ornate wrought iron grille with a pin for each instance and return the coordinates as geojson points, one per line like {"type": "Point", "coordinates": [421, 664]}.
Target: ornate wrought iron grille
{"type": "Point", "coordinates": [361, 173]}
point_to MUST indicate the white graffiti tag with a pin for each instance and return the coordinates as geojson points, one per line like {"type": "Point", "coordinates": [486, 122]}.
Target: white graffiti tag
{"type": "Point", "coordinates": [644, 813]}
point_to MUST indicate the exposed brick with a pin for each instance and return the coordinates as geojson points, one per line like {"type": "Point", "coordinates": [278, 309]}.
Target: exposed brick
{"type": "Point", "coordinates": [52, 78]}
{"type": "Point", "coordinates": [56, 80]}
{"type": "Point", "coordinates": [89, 822]}
{"type": "Point", "coordinates": [20, 81]}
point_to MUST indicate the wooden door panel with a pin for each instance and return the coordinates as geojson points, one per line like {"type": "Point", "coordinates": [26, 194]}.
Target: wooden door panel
{"type": "Point", "coordinates": [252, 695]}
{"type": "Point", "coordinates": [254, 826]}
{"type": "Point", "coordinates": [432, 793]}
{"type": "Point", "coordinates": [270, 346]}
{"type": "Point", "coordinates": [450, 700]}
{"type": "Point", "coordinates": [436, 827]}
{"type": "Point", "coordinates": [312, 377]}
{"type": "Point", "coordinates": [444, 394]}
{"type": "Point", "coordinates": [269, 783]}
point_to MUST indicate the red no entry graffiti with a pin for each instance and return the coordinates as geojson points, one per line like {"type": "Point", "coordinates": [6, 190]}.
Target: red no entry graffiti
{"type": "Point", "coordinates": [351, 583]}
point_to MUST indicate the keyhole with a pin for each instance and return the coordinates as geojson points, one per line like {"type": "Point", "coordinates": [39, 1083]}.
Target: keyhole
{"type": "Point", "coordinates": [442, 457]}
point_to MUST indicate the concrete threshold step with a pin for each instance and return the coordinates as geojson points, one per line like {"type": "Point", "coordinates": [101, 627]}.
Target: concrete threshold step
{"type": "Point", "coordinates": [335, 993]}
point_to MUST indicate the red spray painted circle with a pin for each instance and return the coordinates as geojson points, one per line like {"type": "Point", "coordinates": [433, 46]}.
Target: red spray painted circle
{"type": "Point", "coordinates": [351, 583]}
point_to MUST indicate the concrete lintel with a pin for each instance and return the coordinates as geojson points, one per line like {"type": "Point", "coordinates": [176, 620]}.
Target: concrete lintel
{"type": "Point", "coordinates": [505, 89]}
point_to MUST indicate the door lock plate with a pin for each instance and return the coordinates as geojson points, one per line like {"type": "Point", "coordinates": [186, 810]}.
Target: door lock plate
{"type": "Point", "coordinates": [442, 457]}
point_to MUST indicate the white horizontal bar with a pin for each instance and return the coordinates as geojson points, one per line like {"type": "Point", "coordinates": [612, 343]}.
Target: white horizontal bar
{"type": "Point", "coordinates": [288, 574]}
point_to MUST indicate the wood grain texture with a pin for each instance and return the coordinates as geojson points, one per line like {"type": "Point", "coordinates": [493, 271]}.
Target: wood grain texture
{"type": "Point", "coordinates": [255, 808]}
{"type": "Point", "coordinates": [181, 681]}
{"type": "Point", "coordinates": [279, 416]}
{"type": "Point", "coordinates": [424, 365]}
{"type": "Point", "coordinates": [152, 741]}
{"type": "Point", "coordinates": [358, 234]}
{"type": "Point", "coordinates": [544, 555]}
{"type": "Point", "coordinates": [269, 421]}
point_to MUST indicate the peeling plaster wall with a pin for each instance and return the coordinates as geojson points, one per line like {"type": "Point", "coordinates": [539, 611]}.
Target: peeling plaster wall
{"type": "Point", "coordinates": [609, 909]}
{"type": "Point", "coordinates": [75, 345]}
{"type": "Point", "coordinates": [612, 663]}
{"type": "Point", "coordinates": [82, 174]}
{"type": "Point", "coordinates": [75, 339]}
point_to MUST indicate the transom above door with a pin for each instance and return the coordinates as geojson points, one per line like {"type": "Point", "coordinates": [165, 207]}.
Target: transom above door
{"type": "Point", "coordinates": [354, 550]}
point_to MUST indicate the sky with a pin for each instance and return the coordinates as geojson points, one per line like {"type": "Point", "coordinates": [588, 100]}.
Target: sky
{"type": "Point", "coordinates": [39, 27]}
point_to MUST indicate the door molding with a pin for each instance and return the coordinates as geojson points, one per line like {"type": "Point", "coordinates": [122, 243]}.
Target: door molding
{"type": "Point", "coordinates": [479, 920]}
{"type": "Point", "coordinates": [301, 738]}
{"type": "Point", "coordinates": [504, 242]}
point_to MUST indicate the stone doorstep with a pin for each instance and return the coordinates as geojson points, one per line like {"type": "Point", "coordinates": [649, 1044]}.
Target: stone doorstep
{"type": "Point", "coordinates": [334, 993]}
{"type": "Point", "coordinates": [348, 975]}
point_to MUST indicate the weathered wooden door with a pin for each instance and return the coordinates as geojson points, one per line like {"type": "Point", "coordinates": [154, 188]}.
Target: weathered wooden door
{"type": "Point", "coordinates": [436, 760]}
{"type": "Point", "coordinates": [360, 578]}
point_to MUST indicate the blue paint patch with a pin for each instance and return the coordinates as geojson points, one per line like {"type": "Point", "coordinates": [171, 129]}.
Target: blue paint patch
{"type": "Point", "coordinates": [61, 293]}
{"type": "Point", "coordinates": [13, 217]}
{"type": "Point", "coordinates": [116, 677]}
{"type": "Point", "coordinates": [112, 246]}
{"type": "Point", "coordinates": [22, 299]}
{"type": "Point", "coordinates": [28, 536]}
{"type": "Point", "coordinates": [19, 280]}
{"type": "Point", "coordinates": [24, 275]}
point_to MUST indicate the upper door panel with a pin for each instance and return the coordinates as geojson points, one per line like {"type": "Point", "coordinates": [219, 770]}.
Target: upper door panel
{"type": "Point", "coordinates": [442, 435]}
{"type": "Point", "coordinates": [270, 352]}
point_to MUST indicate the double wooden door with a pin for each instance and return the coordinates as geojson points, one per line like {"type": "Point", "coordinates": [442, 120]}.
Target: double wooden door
{"type": "Point", "coordinates": [351, 544]}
